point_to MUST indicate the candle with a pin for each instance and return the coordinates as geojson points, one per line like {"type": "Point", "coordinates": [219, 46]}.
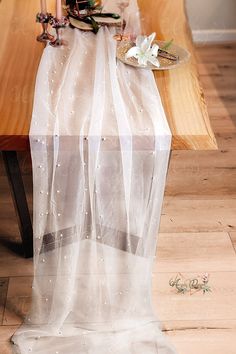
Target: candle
{"type": "Point", "coordinates": [43, 6]}
{"type": "Point", "coordinates": [58, 9]}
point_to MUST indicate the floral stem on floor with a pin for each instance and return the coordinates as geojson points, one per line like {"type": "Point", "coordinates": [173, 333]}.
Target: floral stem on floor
{"type": "Point", "coordinates": [184, 285]}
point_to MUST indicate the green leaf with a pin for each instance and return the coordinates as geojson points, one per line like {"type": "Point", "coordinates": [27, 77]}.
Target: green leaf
{"type": "Point", "coordinates": [91, 3]}
{"type": "Point", "coordinates": [168, 45]}
{"type": "Point", "coordinates": [94, 24]}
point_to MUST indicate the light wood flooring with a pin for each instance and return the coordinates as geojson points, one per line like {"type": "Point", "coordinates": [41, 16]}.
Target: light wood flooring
{"type": "Point", "coordinates": [198, 230]}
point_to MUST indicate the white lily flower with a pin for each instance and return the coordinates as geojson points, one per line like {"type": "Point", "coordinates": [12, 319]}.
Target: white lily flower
{"type": "Point", "coordinates": [144, 51]}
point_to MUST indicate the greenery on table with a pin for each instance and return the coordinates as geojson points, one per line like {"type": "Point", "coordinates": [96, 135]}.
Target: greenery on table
{"type": "Point", "coordinates": [92, 10]}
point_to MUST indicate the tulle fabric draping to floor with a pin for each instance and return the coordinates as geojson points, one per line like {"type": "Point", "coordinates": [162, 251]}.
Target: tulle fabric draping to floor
{"type": "Point", "coordinates": [100, 147]}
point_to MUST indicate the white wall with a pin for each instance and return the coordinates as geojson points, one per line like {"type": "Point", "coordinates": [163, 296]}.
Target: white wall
{"type": "Point", "coordinates": [212, 20]}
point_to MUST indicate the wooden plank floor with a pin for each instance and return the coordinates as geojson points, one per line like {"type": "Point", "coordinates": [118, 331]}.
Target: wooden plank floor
{"type": "Point", "coordinates": [198, 230]}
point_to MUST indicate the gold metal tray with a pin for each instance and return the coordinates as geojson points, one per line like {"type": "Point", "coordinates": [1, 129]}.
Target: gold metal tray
{"type": "Point", "coordinates": [181, 54]}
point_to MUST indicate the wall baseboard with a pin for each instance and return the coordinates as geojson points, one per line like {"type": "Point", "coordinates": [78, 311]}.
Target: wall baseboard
{"type": "Point", "coordinates": [211, 36]}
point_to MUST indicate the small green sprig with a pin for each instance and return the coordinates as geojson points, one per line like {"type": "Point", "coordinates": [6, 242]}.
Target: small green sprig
{"type": "Point", "coordinates": [168, 44]}
{"type": "Point", "coordinates": [184, 285]}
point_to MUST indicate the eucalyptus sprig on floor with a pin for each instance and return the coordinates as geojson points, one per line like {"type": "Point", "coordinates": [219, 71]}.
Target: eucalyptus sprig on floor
{"type": "Point", "coordinates": [184, 285]}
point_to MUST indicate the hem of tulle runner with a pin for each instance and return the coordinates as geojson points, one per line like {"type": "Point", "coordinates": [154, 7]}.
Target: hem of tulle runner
{"type": "Point", "coordinates": [146, 338]}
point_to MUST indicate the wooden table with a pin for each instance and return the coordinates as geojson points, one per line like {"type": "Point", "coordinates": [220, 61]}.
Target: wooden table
{"type": "Point", "coordinates": [20, 54]}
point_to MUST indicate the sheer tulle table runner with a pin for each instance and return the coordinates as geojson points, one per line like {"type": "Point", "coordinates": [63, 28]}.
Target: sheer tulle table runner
{"type": "Point", "coordinates": [100, 146]}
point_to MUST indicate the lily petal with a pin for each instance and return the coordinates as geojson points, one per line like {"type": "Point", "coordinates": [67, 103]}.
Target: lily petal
{"type": "Point", "coordinates": [133, 52]}
{"type": "Point", "coordinates": [139, 40]}
{"type": "Point", "coordinates": [145, 45]}
{"type": "Point", "coordinates": [154, 50]}
{"type": "Point", "coordinates": [154, 61]}
{"type": "Point", "coordinates": [142, 60]}
{"type": "Point", "coordinates": [152, 37]}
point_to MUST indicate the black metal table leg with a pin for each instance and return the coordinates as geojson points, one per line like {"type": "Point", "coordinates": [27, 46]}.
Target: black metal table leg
{"type": "Point", "coordinates": [18, 193]}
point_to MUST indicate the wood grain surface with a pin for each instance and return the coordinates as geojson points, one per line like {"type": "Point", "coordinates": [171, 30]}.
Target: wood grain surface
{"type": "Point", "coordinates": [19, 58]}
{"type": "Point", "coordinates": [20, 55]}
{"type": "Point", "coordinates": [181, 93]}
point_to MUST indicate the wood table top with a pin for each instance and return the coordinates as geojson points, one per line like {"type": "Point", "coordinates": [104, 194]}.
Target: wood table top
{"type": "Point", "coordinates": [20, 54]}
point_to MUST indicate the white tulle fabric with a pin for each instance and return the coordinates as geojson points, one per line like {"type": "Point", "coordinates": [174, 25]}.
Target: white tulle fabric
{"type": "Point", "coordinates": [100, 146]}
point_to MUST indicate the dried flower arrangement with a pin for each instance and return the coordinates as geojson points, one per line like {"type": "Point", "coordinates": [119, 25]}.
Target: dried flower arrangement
{"type": "Point", "coordinates": [191, 285]}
